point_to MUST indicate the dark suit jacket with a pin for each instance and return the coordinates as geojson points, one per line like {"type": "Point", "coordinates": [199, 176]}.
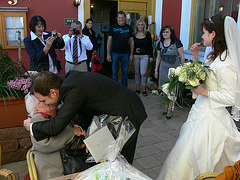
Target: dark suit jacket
{"type": "Point", "coordinates": [39, 61]}
{"type": "Point", "coordinates": [90, 94]}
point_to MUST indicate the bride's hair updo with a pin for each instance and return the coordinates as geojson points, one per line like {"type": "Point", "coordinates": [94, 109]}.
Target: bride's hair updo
{"type": "Point", "coordinates": [216, 24]}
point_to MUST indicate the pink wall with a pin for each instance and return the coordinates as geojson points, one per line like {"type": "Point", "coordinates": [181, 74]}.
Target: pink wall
{"type": "Point", "coordinates": [53, 12]}
{"type": "Point", "coordinates": [171, 14]}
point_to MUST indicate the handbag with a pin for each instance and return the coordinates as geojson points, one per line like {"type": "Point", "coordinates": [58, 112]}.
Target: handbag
{"type": "Point", "coordinates": [96, 63]}
{"type": "Point", "coordinates": [73, 159]}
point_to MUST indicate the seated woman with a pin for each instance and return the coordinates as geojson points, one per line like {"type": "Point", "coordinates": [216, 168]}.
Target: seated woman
{"type": "Point", "coordinates": [46, 152]}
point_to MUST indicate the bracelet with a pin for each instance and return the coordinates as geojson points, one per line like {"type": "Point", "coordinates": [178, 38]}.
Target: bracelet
{"type": "Point", "coordinates": [155, 69]}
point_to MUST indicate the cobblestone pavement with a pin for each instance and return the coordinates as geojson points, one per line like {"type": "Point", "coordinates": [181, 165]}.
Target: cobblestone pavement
{"type": "Point", "coordinates": [156, 138]}
{"type": "Point", "coordinates": [157, 135]}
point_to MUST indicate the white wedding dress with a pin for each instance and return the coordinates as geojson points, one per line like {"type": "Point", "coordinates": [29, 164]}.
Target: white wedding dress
{"type": "Point", "coordinates": [209, 139]}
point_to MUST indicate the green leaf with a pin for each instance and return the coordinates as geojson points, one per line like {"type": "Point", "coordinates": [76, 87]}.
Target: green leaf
{"type": "Point", "coordinates": [188, 87]}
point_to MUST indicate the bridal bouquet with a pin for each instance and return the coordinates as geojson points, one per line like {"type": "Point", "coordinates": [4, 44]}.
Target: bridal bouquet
{"type": "Point", "coordinates": [186, 76]}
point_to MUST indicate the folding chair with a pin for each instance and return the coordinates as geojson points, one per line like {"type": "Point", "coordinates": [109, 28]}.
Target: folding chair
{"type": "Point", "coordinates": [6, 172]}
{"type": "Point", "coordinates": [31, 166]}
{"type": "Point", "coordinates": [207, 175]}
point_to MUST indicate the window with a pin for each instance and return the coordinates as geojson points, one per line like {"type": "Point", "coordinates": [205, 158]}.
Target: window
{"type": "Point", "coordinates": [13, 20]}
{"type": "Point", "coordinates": [207, 8]}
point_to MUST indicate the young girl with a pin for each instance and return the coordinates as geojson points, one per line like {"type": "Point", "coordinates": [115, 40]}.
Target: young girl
{"type": "Point", "coordinates": [209, 140]}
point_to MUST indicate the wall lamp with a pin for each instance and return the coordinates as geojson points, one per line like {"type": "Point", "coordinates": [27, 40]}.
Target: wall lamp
{"type": "Point", "coordinates": [221, 8]}
{"type": "Point", "coordinates": [76, 3]}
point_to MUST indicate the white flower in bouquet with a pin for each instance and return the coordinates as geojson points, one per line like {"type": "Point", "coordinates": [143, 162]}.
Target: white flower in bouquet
{"type": "Point", "coordinates": [194, 82]}
{"type": "Point", "coordinates": [183, 77]}
{"type": "Point", "coordinates": [178, 70]}
{"type": "Point", "coordinates": [187, 64]}
{"type": "Point", "coordinates": [202, 76]}
{"type": "Point", "coordinates": [171, 73]}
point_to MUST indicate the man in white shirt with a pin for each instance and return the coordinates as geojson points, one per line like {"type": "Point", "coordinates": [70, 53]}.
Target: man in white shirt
{"type": "Point", "coordinates": [75, 48]}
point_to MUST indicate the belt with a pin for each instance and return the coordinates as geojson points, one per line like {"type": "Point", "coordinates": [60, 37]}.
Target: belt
{"type": "Point", "coordinates": [77, 63]}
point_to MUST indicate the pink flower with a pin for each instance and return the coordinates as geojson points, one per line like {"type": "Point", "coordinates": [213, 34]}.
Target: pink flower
{"type": "Point", "coordinates": [21, 84]}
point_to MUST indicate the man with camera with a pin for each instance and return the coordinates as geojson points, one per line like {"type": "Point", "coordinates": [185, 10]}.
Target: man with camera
{"type": "Point", "coordinates": [75, 48]}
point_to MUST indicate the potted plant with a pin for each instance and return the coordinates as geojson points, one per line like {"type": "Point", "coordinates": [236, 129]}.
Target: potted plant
{"type": "Point", "coordinates": [14, 85]}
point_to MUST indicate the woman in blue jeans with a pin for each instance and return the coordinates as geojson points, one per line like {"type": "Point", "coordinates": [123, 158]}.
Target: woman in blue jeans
{"type": "Point", "coordinates": [143, 48]}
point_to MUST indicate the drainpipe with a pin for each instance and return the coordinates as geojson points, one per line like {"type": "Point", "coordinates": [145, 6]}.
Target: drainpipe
{"type": "Point", "coordinates": [81, 12]}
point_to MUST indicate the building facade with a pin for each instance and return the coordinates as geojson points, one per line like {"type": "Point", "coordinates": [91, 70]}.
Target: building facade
{"type": "Point", "coordinates": [183, 15]}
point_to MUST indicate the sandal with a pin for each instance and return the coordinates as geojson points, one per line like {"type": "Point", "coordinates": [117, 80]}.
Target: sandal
{"type": "Point", "coordinates": [145, 93]}
{"type": "Point", "coordinates": [165, 110]}
{"type": "Point", "coordinates": [137, 92]}
{"type": "Point", "coordinates": [169, 113]}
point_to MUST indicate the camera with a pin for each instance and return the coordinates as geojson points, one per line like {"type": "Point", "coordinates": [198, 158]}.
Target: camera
{"type": "Point", "coordinates": [75, 31]}
{"type": "Point", "coordinates": [54, 34]}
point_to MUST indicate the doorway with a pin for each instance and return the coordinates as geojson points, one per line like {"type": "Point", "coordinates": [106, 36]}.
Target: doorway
{"type": "Point", "coordinates": [103, 14]}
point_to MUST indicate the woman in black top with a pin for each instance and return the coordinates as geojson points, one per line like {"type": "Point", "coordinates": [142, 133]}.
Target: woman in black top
{"type": "Point", "coordinates": [88, 31]}
{"type": "Point", "coordinates": [143, 48]}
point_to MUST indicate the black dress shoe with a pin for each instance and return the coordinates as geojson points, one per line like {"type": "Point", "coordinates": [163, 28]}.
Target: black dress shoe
{"type": "Point", "coordinates": [145, 93]}
{"type": "Point", "coordinates": [137, 92]}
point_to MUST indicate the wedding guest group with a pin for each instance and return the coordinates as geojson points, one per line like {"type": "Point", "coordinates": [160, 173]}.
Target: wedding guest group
{"type": "Point", "coordinates": [76, 46]}
{"type": "Point", "coordinates": [86, 94]}
{"type": "Point", "coordinates": [40, 46]}
{"type": "Point", "coordinates": [142, 49]}
{"type": "Point", "coordinates": [209, 140]}
{"type": "Point", "coordinates": [169, 55]}
{"type": "Point", "coordinates": [118, 46]}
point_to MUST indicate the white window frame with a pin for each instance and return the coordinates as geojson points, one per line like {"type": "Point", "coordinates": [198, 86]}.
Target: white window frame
{"type": "Point", "coordinates": [13, 11]}
{"type": "Point", "coordinates": [185, 28]}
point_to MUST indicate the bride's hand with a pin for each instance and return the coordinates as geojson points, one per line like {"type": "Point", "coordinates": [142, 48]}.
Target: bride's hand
{"type": "Point", "coordinates": [200, 90]}
{"type": "Point", "coordinates": [195, 50]}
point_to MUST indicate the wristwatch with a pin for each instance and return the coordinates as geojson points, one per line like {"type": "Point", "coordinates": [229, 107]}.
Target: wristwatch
{"type": "Point", "coordinates": [155, 69]}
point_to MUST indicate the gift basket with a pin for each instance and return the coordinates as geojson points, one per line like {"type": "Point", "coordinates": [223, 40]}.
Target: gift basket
{"type": "Point", "coordinates": [109, 133]}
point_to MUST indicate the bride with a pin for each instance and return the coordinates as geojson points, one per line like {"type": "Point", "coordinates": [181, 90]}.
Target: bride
{"type": "Point", "coordinates": [209, 139]}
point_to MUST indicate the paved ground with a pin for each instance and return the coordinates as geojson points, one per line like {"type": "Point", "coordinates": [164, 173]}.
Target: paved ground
{"type": "Point", "coordinates": [157, 135]}
{"type": "Point", "coordinates": [156, 138]}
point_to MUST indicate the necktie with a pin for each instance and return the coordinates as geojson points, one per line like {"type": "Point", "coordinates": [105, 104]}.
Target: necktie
{"type": "Point", "coordinates": [75, 50]}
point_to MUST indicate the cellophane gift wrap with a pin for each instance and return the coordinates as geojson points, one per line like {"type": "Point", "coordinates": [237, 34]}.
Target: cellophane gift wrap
{"type": "Point", "coordinates": [116, 167]}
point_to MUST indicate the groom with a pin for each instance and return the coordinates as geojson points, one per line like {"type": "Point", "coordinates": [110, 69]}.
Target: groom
{"type": "Point", "coordinates": [86, 94]}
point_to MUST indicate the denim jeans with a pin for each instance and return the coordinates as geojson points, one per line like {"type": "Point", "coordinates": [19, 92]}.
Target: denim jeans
{"type": "Point", "coordinates": [124, 58]}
